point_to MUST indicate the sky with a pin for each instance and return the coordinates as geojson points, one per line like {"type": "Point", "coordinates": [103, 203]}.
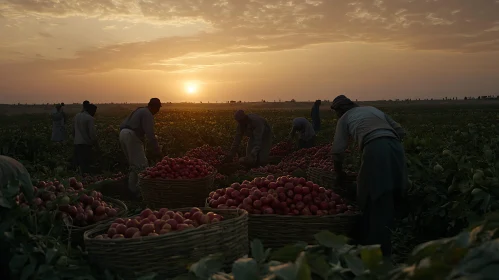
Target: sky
{"type": "Point", "coordinates": [219, 50]}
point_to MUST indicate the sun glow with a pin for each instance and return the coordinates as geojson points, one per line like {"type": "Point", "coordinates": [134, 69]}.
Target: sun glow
{"type": "Point", "coordinates": [191, 87]}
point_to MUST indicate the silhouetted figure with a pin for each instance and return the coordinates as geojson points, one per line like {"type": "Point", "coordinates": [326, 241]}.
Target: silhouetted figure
{"type": "Point", "coordinates": [381, 183]}
{"type": "Point", "coordinates": [307, 133]}
{"type": "Point", "coordinates": [316, 116]}
{"type": "Point", "coordinates": [138, 124]}
{"type": "Point", "coordinates": [85, 104]}
{"type": "Point", "coordinates": [58, 124]}
{"type": "Point", "coordinates": [260, 139]}
{"type": "Point", "coordinates": [85, 138]}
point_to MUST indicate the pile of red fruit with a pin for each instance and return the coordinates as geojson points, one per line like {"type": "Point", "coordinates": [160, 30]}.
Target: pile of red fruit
{"type": "Point", "coordinates": [283, 196]}
{"type": "Point", "coordinates": [281, 149]}
{"type": "Point", "coordinates": [301, 160]}
{"type": "Point", "coordinates": [154, 223]}
{"type": "Point", "coordinates": [84, 209]}
{"type": "Point", "coordinates": [209, 154]}
{"type": "Point", "coordinates": [179, 168]}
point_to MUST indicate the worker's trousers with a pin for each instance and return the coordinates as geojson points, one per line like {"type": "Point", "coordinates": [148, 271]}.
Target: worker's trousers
{"type": "Point", "coordinates": [135, 154]}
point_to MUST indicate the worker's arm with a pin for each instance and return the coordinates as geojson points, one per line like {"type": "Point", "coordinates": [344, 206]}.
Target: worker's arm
{"type": "Point", "coordinates": [396, 126]}
{"type": "Point", "coordinates": [148, 127]}
{"type": "Point", "coordinates": [340, 144]}
{"type": "Point", "coordinates": [237, 141]}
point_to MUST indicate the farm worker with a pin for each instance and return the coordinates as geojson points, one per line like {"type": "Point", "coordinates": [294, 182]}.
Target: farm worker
{"type": "Point", "coordinates": [139, 123]}
{"type": "Point", "coordinates": [85, 104]}
{"type": "Point", "coordinates": [85, 137]}
{"type": "Point", "coordinates": [58, 122]}
{"type": "Point", "coordinates": [316, 117]}
{"type": "Point", "coordinates": [307, 133]}
{"type": "Point", "coordinates": [260, 139]}
{"type": "Point", "coordinates": [382, 178]}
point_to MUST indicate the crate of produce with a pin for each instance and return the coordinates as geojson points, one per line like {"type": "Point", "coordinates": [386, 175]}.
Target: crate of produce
{"type": "Point", "coordinates": [327, 178]}
{"type": "Point", "coordinates": [166, 242]}
{"type": "Point", "coordinates": [287, 210]}
{"type": "Point", "coordinates": [177, 182]}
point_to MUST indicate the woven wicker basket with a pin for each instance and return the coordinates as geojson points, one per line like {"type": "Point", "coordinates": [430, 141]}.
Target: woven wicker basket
{"type": "Point", "coordinates": [75, 233]}
{"type": "Point", "coordinates": [158, 193]}
{"type": "Point", "coordinates": [171, 254]}
{"type": "Point", "coordinates": [327, 179]}
{"type": "Point", "coordinates": [276, 231]}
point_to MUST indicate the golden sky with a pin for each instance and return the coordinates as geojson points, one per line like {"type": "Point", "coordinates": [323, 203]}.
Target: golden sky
{"type": "Point", "coordinates": [201, 50]}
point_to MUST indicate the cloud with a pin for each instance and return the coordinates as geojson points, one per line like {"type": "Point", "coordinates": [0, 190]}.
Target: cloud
{"type": "Point", "coordinates": [45, 34]}
{"type": "Point", "coordinates": [242, 26]}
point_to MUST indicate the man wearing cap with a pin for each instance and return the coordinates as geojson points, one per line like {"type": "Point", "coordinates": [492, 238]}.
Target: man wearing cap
{"type": "Point", "coordinates": [382, 178]}
{"type": "Point", "coordinates": [260, 139]}
{"type": "Point", "coordinates": [85, 137]}
{"type": "Point", "coordinates": [307, 133]}
{"type": "Point", "coordinates": [138, 124]}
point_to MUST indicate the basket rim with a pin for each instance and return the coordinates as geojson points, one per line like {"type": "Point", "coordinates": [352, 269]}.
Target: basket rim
{"type": "Point", "coordinates": [242, 214]}
{"type": "Point", "coordinates": [105, 198]}
{"type": "Point", "coordinates": [357, 213]}
{"type": "Point", "coordinates": [212, 174]}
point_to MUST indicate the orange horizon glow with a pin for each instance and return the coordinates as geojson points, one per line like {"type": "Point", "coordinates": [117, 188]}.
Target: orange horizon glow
{"type": "Point", "coordinates": [126, 51]}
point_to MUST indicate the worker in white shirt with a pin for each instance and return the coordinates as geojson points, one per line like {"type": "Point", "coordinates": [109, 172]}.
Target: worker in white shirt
{"type": "Point", "coordinates": [135, 127]}
{"type": "Point", "coordinates": [85, 138]}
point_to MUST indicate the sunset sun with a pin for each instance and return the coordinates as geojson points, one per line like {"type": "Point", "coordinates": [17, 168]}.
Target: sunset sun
{"type": "Point", "coordinates": [191, 87]}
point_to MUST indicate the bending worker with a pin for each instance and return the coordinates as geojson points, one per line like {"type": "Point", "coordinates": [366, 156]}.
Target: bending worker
{"type": "Point", "coordinates": [260, 139]}
{"type": "Point", "coordinates": [138, 124]}
{"type": "Point", "coordinates": [307, 133]}
{"type": "Point", "coordinates": [382, 178]}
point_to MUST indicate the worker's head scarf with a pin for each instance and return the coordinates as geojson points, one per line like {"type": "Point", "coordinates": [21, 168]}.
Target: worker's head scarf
{"type": "Point", "coordinates": [341, 101]}
{"type": "Point", "coordinates": [239, 115]}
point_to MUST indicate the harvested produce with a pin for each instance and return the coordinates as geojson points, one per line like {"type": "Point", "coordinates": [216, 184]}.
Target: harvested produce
{"type": "Point", "coordinates": [281, 149]}
{"type": "Point", "coordinates": [82, 207]}
{"type": "Point", "coordinates": [284, 196]}
{"type": "Point", "coordinates": [179, 168]}
{"type": "Point", "coordinates": [209, 154]}
{"type": "Point", "coordinates": [154, 223]}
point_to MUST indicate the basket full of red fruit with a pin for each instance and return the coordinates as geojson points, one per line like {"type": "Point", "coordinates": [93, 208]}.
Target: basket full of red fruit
{"type": "Point", "coordinates": [323, 173]}
{"type": "Point", "coordinates": [286, 210]}
{"type": "Point", "coordinates": [177, 182]}
{"type": "Point", "coordinates": [79, 208]}
{"type": "Point", "coordinates": [167, 241]}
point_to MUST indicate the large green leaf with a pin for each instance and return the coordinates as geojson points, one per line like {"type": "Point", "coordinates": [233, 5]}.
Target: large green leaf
{"type": "Point", "coordinates": [257, 251]}
{"type": "Point", "coordinates": [285, 271]}
{"type": "Point", "coordinates": [355, 264]}
{"type": "Point", "coordinates": [371, 256]}
{"type": "Point", "coordinates": [287, 253]}
{"type": "Point", "coordinates": [302, 268]}
{"type": "Point", "coordinates": [245, 269]}
{"type": "Point", "coordinates": [330, 240]}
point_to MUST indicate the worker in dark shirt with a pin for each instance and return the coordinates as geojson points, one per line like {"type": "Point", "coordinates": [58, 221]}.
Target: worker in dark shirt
{"type": "Point", "coordinates": [382, 178]}
{"type": "Point", "coordinates": [135, 127]}
{"type": "Point", "coordinates": [316, 117]}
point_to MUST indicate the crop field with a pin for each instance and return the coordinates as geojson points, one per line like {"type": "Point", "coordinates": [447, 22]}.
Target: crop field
{"type": "Point", "coordinates": [452, 151]}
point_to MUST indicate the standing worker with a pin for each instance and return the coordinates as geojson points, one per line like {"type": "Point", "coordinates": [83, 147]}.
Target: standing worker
{"type": "Point", "coordinates": [382, 179]}
{"type": "Point", "coordinates": [85, 137]}
{"type": "Point", "coordinates": [138, 124]}
{"type": "Point", "coordinates": [316, 117]}
{"type": "Point", "coordinates": [85, 104]}
{"type": "Point", "coordinates": [260, 139]}
{"type": "Point", "coordinates": [58, 124]}
{"type": "Point", "coordinates": [307, 133]}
